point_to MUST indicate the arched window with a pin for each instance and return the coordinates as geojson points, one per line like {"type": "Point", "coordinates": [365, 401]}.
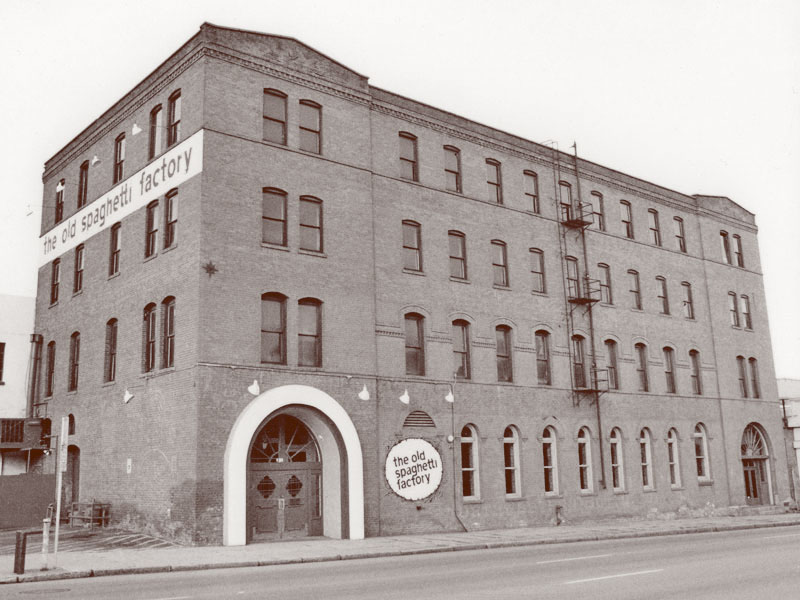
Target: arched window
{"type": "Point", "coordinates": [273, 328]}
{"type": "Point", "coordinates": [408, 156]}
{"type": "Point", "coordinates": [725, 246]}
{"type": "Point", "coordinates": [550, 461]}
{"type": "Point", "coordinates": [309, 332]}
{"type": "Point", "coordinates": [565, 198]}
{"type": "Point", "coordinates": [598, 212]}
{"type": "Point", "coordinates": [733, 309]}
{"type": "Point", "coordinates": [636, 290]}
{"type": "Point", "coordinates": [537, 270]}
{"type": "Point", "coordinates": [663, 295]}
{"type": "Point", "coordinates": [531, 185]}
{"type": "Point", "coordinates": [627, 218]}
{"type": "Point", "coordinates": [511, 462]}
{"type": "Point", "coordinates": [579, 361]}
{"type": "Point", "coordinates": [452, 169]}
{"type": "Point", "coordinates": [585, 460]}
{"type": "Point", "coordinates": [170, 217]}
{"type": "Point", "coordinates": [655, 227]}
{"type": "Point", "coordinates": [74, 360]}
{"type": "Point", "coordinates": [151, 229]}
{"type": "Point", "coordinates": [310, 223]}
{"type": "Point", "coordinates": [119, 158]}
{"type": "Point", "coordinates": [673, 456]}
{"type": "Point", "coordinates": [737, 250]}
{"type": "Point", "coordinates": [641, 367]}
{"type": "Point", "coordinates": [669, 370]}
{"type": "Point", "coordinates": [746, 316]}
{"type": "Point", "coordinates": [274, 112]}
{"type": "Point", "coordinates": [617, 463]}
{"type": "Point", "coordinates": [470, 481]}
{"type": "Point", "coordinates": [573, 279]}
{"type": "Point", "coordinates": [701, 452]}
{"type": "Point", "coordinates": [461, 350]}
{"type": "Point", "coordinates": [754, 382]}
{"type": "Point", "coordinates": [688, 302]}
{"type": "Point", "coordinates": [168, 332]}
{"type": "Point", "coordinates": [543, 357]}
{"type": "Point", "coordinates": [504, 366]}
{"type": "Point", "coordinates": [457, 244]}
{"type": "Point", "coordinates": [77, 276]}
{"type": "Point", "coordinates": [71, 424]}
{"type": "Point", "coordinates": [310, 119]}
{"type": "Point", "coordinates": [415, 347]}
{"type": "Point", "coordinates": [611, 364]}
{"type": "Point", "coordinates": [412, 246]}
{"type": "Point", "coordinates": [499, 263]}
{"type": "Point", "coordinates": [174, 116]}
{"type": "Point", "coordinates": [680, 235]}
{"type": "Point", "coordinates": [110, 362]}
{"type": "Point", "coordinates": [606, 296]}
{"type": "Point", "coordinates": [149, 338]}
{"type": "Point", "coordinates": [646, 456]}
{"type": "Point", "coordinates": [156, 126]}
{"type": "Point", "coordinates": [59, 208]}
{"type": "Point", "coordinates": [494, 180]}
{"type": "Point", "coordinates": [697, 380]}
{"type": "Point", "coordinates": [55, 280]}
{"type": "Point", "coordinates": [51, 369]}
{"type": "Point", "coordinates": [742, 367]}
{"type": "Point", "coordinates": [273, 216]}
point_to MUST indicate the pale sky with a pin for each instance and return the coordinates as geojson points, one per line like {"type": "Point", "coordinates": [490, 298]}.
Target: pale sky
{"type": "Point", "coordinates": [698, 96]}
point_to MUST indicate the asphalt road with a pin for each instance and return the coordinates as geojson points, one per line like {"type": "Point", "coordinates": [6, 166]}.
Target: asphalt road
{"type": "Point", "coordinates": [761, 563]}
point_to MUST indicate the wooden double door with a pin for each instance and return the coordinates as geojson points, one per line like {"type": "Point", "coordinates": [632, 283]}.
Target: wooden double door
{"type": "Point", "coordinates": [284, 482]}
{"type": "Point", "coordinates": [755, 481]}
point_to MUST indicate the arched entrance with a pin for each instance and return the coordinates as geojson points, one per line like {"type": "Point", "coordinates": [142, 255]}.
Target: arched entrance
{"type": "Point", "coordinates": [284, 481]}
{"type": "Point", "coordinates": [339, 463]}
{"type": "Point", "coordinates": [755, 465]}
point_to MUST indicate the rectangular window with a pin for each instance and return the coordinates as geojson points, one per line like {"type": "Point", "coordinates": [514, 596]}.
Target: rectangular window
{"type": "Point", "coordinates": [310, 224]}
{"type": "Point", "coordinates": [83, 184]}
{"type": "Point", "coordinates": [646, 460]}
{"type": "Point", "coordinates": [655, 227]}
{"type": "Point", "coordinates": [452, 169]}
{"type": "Point", "coordinates": [156, 125]}
{"type": "Point", "coordinates": [543, 357]}
{"type": "Point", "coordinates": [494, 181]}
{"type": "Point", "coordinates": [573, 280]}
{"type": "Point", "coordinates": [273, 329]}
{"type": "Point", "coordinates": [458, 254]}
{"type": "Point", "coordinates": [77, 279]}
{"type": "Point", "coordinates": [598, 211]}
{"type": "Point", "coordinates": [59, 202]}
{"type": "Point", "coordinates": [611, 365]}
{"type": "Point", "coordinates": [50, 373]}
{"type": "Point", "coordinates": [461, 357]}
{"type": "Point", "coordinates": [114, 248]}
{"type": "Point", "coordinates": [274, 112]}
{"type": "Point", "coordinates": [565, 197]}
{"type": "Point", "coordinates": [503, 336]}
{"type": "Point", "coordinates": [310, 126]}
{"type": "Point", "coordinates": [110, 370]}
{"type": "Point", "coordinates": [725, 246]}
{"type": "Point", "coordinates": [627, 218]}
{"type": "Point", "coordinates": [537, 270]}
{"type": "Point", "coordinates": [415, 351]}
{"type": "Point", "coordinates": [531, 184]}
{"type": "Point", "coordinates": [174, 126]}
{"type": "Point", "coordinates": [737, 250]}
{"type": "Point", "coordinates": [748, 319]}
{"type": "Point", "coordinates": [55, 278]}
{"type": "Point", "coordinates": [412, 246]}
{"type": "Point", "coordinates": [662, 295]}
{"type": "Point", "coordinates": [669, 370]}
{"type": "Point", "coordinates": [672, 456]}
{"type": "Point", "coordinates": [688, 302]}
{"type": "Point", "coordinates": [641, 367]}
{"type": "Point", "coordinates": [273, 217]}
{"type": "Point", "coordinates": [584, 461]}
{"type": "Point", "coordinates": [680, 236]}
{"type": "Point", "coordinates": [149, 339]}
{"type": "Point", "coordinates": [309, 334]}
{"type": "Point", "coordinates": [578, 362]}
{"type": "Point", "coordinates": [170, 218]}
{"type": "Point", "coordinates": [408, 156]}
{"type": "Point", "coordinates": [151, 229]}
{"type": "Point", "coordinates": [754, 382]}
{"type": "Point", "coordinates": [168, 333]}
{"type": "Point", "coordinates": [636, 292]}
{"type": "Point", "coordinates": [606, 296]}
{"type": "Point", "coordinates": [733, 309]}
{"type": "Point", "coordinates": [119, 158]}
{"type": "Point", "coordinates": [74, 361]}
{"type": "Point", "coordinates": [697, 382]}
{"type": "Point", "coordinates": [742, 366]}
{"type": "Point", "coordinates": [617, 479]}
{"type": "Point", "coordinates": [499, 263]}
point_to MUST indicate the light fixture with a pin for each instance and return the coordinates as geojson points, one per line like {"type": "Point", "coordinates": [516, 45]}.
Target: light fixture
{"type": "Point", "coordinates": [136, 130]}
{"type": "Point", "coordinates": [60, 186]}
{"type": "Point", "coordinates": [450, 397]}
{"type": "Point", "coordinates": [127, 397]}
{"type": "Point", "coordinates": [95, 160]}
{"type": "Point", "coordinates": [405, 397]}
{"type": "Point", "coordinates": [364, 393]}
{"type": "Point", "coordinates": [254, 388]}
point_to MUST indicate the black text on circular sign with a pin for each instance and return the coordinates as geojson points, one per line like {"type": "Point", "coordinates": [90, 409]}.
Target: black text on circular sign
{"type": "Point", "coordinates": [413, 469]}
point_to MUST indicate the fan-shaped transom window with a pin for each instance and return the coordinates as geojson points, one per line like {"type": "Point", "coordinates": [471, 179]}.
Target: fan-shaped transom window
{"type": "Point", "coordinates": [418, 418]}
{"type": "Point", "coordinates": [284, 440]}
{"type": "Point", "coordinates": [753, 444]}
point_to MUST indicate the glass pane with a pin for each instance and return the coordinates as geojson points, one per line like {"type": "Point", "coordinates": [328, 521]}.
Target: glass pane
{"type": "Point", "coordinates": [307, 351]}
{"type": "Point", "coordinates": [410, 234]}
{"type": "Point", "coordinates": [502, 342]}
{"type": "Point", "coordinates": [466, 455]}
{"type": "Point", "coordinates": [406, 169]}
{"type": "Point", "coordinates": [274, 205]}
{"type": "Point", "coordinates": [457, 268]}
{"type": "Point", "coordinates": [274, 131]}
{"type": "Point", "coordinates": [459, 338]}
{"type": "Point", "coordinates": [275, 107]}
{"type": "Point", "coordinates": [309, 117]}
{"type": "Point", "coordinates": [508, 453]}
{"type": "Point", "coordinates": [456, 244]}
{"type": "Point", "coordinates": [271, 347]}
{"type": "Point", "coordinates": [466, 483]}
{"type": "Point", "coordinates": [491, 172]}
{"type": "Point", "coordinates": [407, 149]}
{"type": "Point", "coordinates": [308, 321]}
{"type": "Point", "coordinates": [271, 315]}
{"type": "Point", "coordinates": [451, 161]}
{"type": "Point", "coordinates": [309, 213]}
{"type": "Point", "coordinates": [309, 141]}
{"type": "Point", "coordinates": [272, 232]}
{"type": "Point", "coordinates": [310, 239]}
{"type": "Point", "coordinates": [411, 259]}
{"type": "Point", "coordinates": [412, 332]}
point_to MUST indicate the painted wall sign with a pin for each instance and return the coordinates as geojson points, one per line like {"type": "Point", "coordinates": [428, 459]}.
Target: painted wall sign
{"type": "Point", "coordinates": [413, 469]}
{"type": "Point", "coordinates": [166, 172]}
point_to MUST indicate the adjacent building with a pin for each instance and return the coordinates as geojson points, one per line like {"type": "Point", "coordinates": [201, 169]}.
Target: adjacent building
{"type": "Point", "coordinates": [276, 301]}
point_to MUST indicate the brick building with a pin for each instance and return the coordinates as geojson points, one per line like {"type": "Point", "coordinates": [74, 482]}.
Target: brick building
{"type": "Point", "coordinates": [259, 274]}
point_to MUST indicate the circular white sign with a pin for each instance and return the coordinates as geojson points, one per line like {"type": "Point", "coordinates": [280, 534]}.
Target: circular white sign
{"type": "Point", "coordinates": [413, 469]}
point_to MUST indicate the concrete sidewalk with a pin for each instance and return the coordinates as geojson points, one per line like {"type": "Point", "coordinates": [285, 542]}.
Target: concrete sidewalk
{"type": "Point", "coordinates": [119, 561]}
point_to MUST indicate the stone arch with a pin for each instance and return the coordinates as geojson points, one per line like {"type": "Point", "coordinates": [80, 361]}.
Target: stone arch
{"type": "Point", "coordinates": [340, 447]}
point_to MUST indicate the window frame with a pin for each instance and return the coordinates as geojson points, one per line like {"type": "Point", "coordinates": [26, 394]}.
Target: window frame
{"type": "Point", "coordinates": [655, 227]}
{"type": "Point", "coordinates": [543, 371]}
{"type": "Point", "coordinates": [725, 247]}
{"type": "Point", "coordinates": [154, 142]}
{"type": "Point", "coordinates": [310, 227]}
{"type": "Point", "coordinates": [741, 364]}
{"type": "Point", "coordinates": [663, 294]}
{"type": "Point", "coordinates": [539, 276]}
{"type": "Point", "coordinates": [415, 367]}
{"type": "Point", "coordinates": [680, 233]}
{"type": "Point", "coordinates": [50, 370]}
{"type": "Point", "coordinates": [74, 361]}
{"type": "Point", "coordinates": [149, 338]}
{"type": "Point", "coordinates": [77, 274]}
{"type": "Point", "coordinates": [747, 316]}
{"type": "Point", "coordinates": [673, 459]}
{"type": "Point", "coordinates": [578, 356]}
{"type": "Point", "coordinates": [646, 459]}
{"type": "Point", "coordinates": [55, 280]}
{"type": "Point", "coordinates": [696, 373]}
{"type": "Point", "coordinates": [500, 269]}
{"type": "Point", "coordinates": [274, 119]}
{"type": "Point", "coordinates": [59, 206]}
{"type": "Point", "coordinates": [733, 309]}
{"type": "Point", "coordinates": [151, 229]}
{"type": "Point", "coordinates": [550, 461]}
{"type": "Point", "coordinates": [573, 277]}
{"type": "Point", "coordinates": [606, 291]}
{"type": "Point", "coordinates": [452, 151]}
{"type": "Point", "coordinates": [669, 370]}
{"type": "Point", "coordinates": [457, 264]}
{"type": "Point", "coordinates": [585, 471]}
{"type": "Point", "coordinates": [168, 332]}
{"type": "Point", "coordinates": [636, 290]}
{"type": "Point", "coordinates": [626, 216]}
{"type": "Point", "coordinates": [306, 105]}
{"type": "Point", "coordinates": [412, 252]}
{"type": "Point", "coordinates": [494, 180]}
{"type": "Point", "coordinates": [565, 189]}
{"type": "Point", "coordinates": [315, 336]}
{"type": "Point", "coordinates": [688, 300]}
{"type": "Point", "coordinates": [115, 242]}
{"type": "Point", "coordinates": [174, 106]}
{"type": "Point", "coordinates": [640, 350]}
{"type": "Point", "coordinates": [701, 456]}
{"type": "Point", "coordinates": [408, 162]}
{"type": "Point", "coordinates": [468, 445]}
{"type": "Point", "coordinates": [274, 195]}
{"type": "Point", "coordinates": [511, 466]}
{"type": "Point", "coordinates": [119, 158]}
{"type": "Point", "coordinates": [280, 301]}
{"type": "Point", "coordinates": [83, 184]}
{"type": "Point", "coordinates": [755, 383]}
{"type": "Point", "coordinates": [598, 211]}
{"type": "Point", "coordinates": [617, 460]}
{"type": "Point", "coordinates": [504, 356]}
{"type": "Point", "coordinates": [612, 365]}
{"type": "Point", "coordinates": [462, 362]}
{"type": "Point", "coordinates": [170, 218]}
{"type": "Point", "coordinates": [738, 253]}
{"type": "Point", "coordinates": [110, 356]}
{"type": "Point", "coordinates": [531, 190]}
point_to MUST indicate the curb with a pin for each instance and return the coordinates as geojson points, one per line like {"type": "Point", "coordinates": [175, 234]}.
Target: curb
{"type": "Point", "coordinates": [618, 535]}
